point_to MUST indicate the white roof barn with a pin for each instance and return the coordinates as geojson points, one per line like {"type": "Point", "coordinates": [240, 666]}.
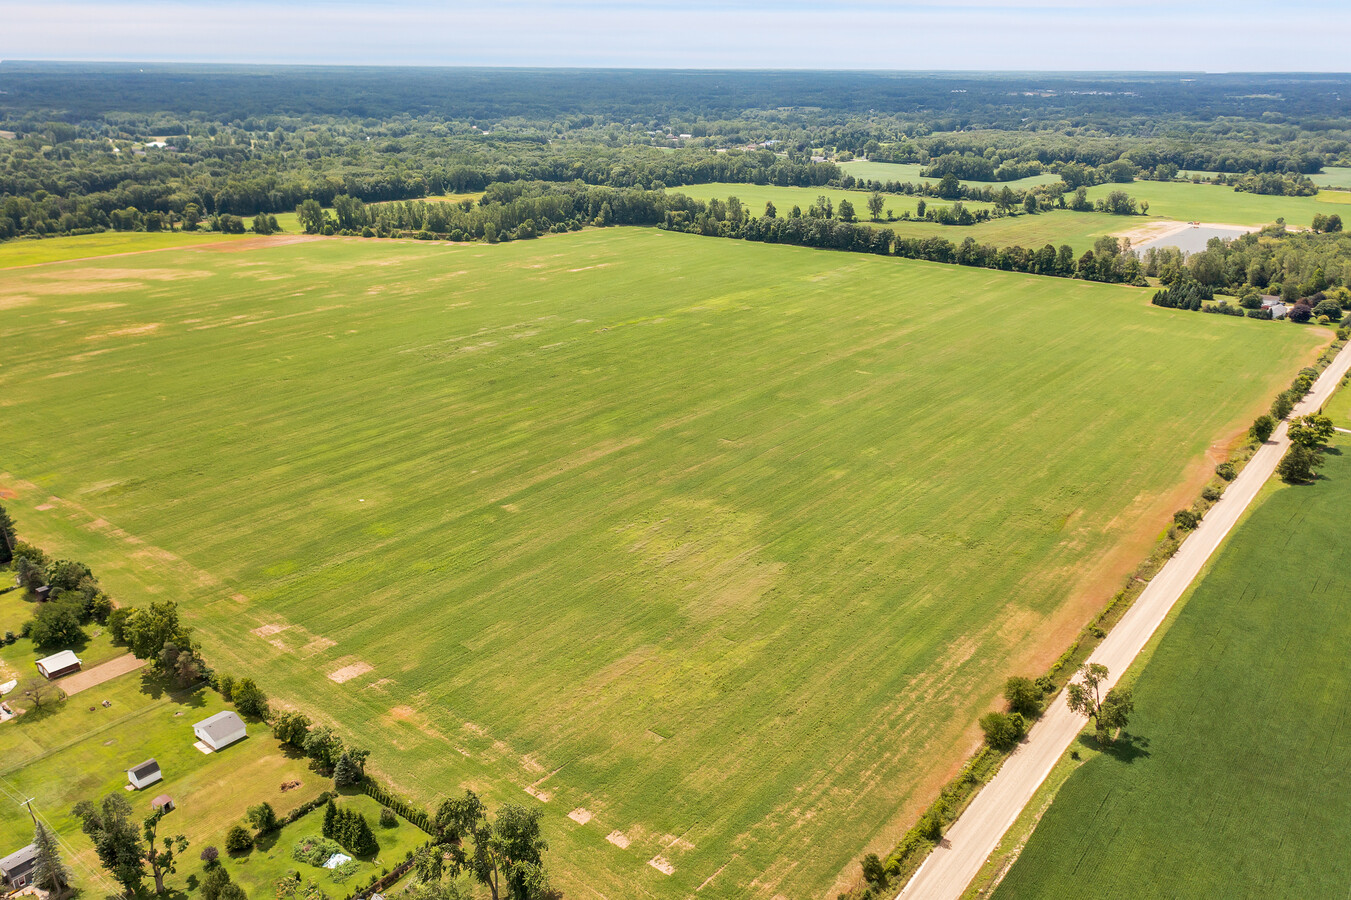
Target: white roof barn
{"type": "Point", "coordinates": [220, 730]}
{"type": "Point", "coordinates": [144, 774]}
{"type": "Point", "coordinates": [59, 664]}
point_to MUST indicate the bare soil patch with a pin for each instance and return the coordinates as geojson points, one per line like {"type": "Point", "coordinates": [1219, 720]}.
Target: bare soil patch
{"type": "Point", "coordinates": [256, 243]}
{"type": "Point", "coordinates": [347, 673]}
{"type": "Point", "coordinates": [580, 815]}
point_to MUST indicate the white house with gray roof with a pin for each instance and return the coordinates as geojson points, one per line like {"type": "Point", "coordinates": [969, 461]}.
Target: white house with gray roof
{"type": "Point", "coordinates": [220, 730]}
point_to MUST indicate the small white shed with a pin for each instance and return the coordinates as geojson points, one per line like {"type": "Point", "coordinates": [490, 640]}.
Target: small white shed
{"type": "Point", "coordinates": [144, 774]}
{"type": "Point", "coordinates": [220, 730]}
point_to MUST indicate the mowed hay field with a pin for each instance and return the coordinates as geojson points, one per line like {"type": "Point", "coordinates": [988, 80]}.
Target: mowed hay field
{"type": "Point", "coordinates": [1187, 202]}
{"type": "Point", "coordinates": [1241, 789]}
{"type": "Point", "coordinates": [107, 243]}
{"type": "Point", "coordinates": [726, 544]}
{"type": "Point", "coordinates": [903, 172]}
{"type": "Point", "coordinates": [1078, 229]}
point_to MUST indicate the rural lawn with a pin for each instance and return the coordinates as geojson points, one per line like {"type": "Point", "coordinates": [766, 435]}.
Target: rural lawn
{"type": "Point", "coordinates": [727, 544]}
{"type": "Point", "coordinates": [1235, 782]}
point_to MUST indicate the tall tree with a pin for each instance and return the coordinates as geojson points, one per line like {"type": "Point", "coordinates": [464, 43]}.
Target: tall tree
{"type": "Point", "coordinates": [109, 827]}
{"type": "Point", "coordinates": [345, 773]}
{"type": "Point", "coordinates": [163, 851]}
{"type": "Point", "coordinates": [505, 855]}
{"type": "Point", "coordinates": [1110, 712]}
{"type": "Point", "coordinates": [148, 629]}
{"type": "Point", "coordinates": [248, 698]}
{"type": "Point", "coordinates": [875, 204]}
{"type": "Point", "coordinates": [1311, 431]}
{"type": "Point", "coordinates": [49, 873]}
{"type": "Point", "coordinates": [57, 623]}
{"type": "Point", "coordinates": [7, 538]}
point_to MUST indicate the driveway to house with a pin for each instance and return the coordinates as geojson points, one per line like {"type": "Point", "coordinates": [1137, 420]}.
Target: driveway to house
{"type": "Point", "coordinates": [977, 832]}
{"type": "Point", "coordinates": [83, 681]}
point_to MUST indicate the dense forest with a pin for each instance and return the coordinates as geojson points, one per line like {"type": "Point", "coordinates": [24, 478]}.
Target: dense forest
{"type": "Point", "coordinates": [84, 144]}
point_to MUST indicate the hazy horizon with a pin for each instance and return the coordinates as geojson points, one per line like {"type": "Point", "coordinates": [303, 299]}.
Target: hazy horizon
{"type": "Point", "coordinates": [859, 35]}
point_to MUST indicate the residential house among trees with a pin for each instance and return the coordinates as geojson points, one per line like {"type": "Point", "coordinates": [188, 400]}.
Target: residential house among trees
{"type": "Point", "coordinates": [16, 870]}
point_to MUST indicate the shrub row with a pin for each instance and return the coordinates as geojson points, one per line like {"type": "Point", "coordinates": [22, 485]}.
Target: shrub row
{"type": "Point", "coordinates": [400, 805]}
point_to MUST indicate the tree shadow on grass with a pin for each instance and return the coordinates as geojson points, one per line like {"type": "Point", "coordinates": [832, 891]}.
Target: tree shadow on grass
{"type": "Point", "coordinates": [265, 842]}
{"type": "Point", "coordinates": [1127, 748]}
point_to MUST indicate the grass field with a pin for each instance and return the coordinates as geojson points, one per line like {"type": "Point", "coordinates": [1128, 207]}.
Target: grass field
{"type": "Point", "coordinates": [1240, 788]}
{"type": "Point", "coordinates": [1333, 177]}
{"type": "Point", "coordinates": [1079, 230]}
{"type": "Point", "coordinates": [903, 172]}
{"type": "Point", "coordinates": [1187, 202]}
{"type": "Point", "coordinates": [108, 243]}
{"type": "Point", "coordinates": [727, 544]}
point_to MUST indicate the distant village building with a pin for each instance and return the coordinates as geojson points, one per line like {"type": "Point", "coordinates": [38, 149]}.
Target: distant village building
{"type": "Point", "coordinates": [59, 664]}
{"type": "Point", "coordinates": [220, 730]}
{"type": "Point", "coordinates": [145, 774]}
{"type": "Point", "coordinates": [16, 870]}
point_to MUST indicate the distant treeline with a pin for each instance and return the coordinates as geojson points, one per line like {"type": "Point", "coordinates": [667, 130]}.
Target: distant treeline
{"type": "Point", "coordinates": [246, 140]}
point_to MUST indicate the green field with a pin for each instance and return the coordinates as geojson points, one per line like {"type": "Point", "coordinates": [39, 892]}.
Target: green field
{"type": "Point", "coordinates": [108, 243]}
{"type": "Point", "coordinates": [1079, 230]}
{"type": "Point", "coordinates": [1333, 177]}
{"type": "Point", "coordinates": [728, 544]}
{"type": "Point", "coordinates": [903, 172]}
{"type": "Point", "coordinates": [1240, 791]}
{"type": "Point", "coordinates": [1187, 202]}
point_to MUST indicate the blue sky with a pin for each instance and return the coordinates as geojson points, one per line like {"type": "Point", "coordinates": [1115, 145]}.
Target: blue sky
{"type": "Point", "coordinates": [1240, 35]}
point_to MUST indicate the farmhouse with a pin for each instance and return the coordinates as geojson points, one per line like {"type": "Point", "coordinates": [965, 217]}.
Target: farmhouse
{"type": "Point", "coordinates": [144, 774]}
{"type": "Point", "coordinates": [17, 869]}
{"type": "Point", "coordinates": [220, 730]}
{"type": "Point", "coordinates": [59, 664]}
{"type": "Point", "coordinates": [1274, 306]}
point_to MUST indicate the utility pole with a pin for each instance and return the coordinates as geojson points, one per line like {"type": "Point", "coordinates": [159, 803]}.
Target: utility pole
{"type": "Point", "coordinates": [32, 815]}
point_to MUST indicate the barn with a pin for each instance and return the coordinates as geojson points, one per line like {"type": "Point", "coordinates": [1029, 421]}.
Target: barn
{"type": "Point", "coordinates": [220, 730]}
{"type": "Point", "coordinates": [59, 664]}
{"type": "Point", "coordinates": [144, 774]}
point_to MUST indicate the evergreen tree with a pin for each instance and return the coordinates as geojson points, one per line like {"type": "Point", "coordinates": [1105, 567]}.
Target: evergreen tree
{"type": "Point", "coordinates": [330, 821]}
{"type": "Point", "coordinates": [49, 873]}
{"type": "Point", "coordinates": [7, 538]}
{"type": "Point", "coordinates": [345, 774]}
{"type": "Point", "coordinates": [361, 840]}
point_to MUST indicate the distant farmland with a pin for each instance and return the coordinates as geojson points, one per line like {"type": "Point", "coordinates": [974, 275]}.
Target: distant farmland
{"type": "Point", "coordinates": [1056, 227]}
{"type": "Point", "coordinates": [1242, 787]}
{"type": "Point", "coordinates": [727, 544]}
